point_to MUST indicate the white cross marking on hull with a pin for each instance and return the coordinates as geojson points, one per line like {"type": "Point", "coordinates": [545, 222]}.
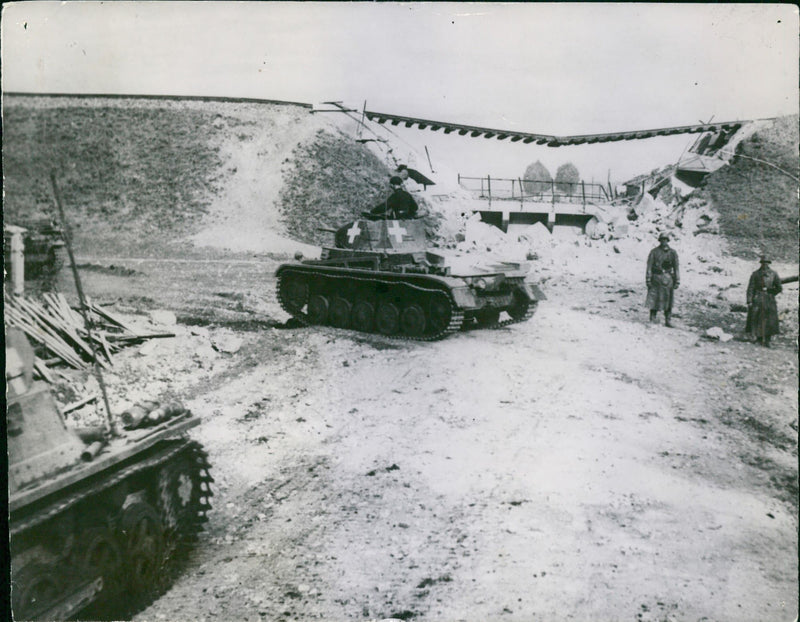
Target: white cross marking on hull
{"type": "Point", "coordinates": [397, 231]}
{"type": "Point", "coordinates": [353, 232]}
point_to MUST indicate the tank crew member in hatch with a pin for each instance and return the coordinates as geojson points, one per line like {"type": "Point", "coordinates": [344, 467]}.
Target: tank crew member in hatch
{"type": "Point", "coordinates": [762, 310]}
{"type": "Point", "coordinates": [662, 278]}
{"type": "Point", "coordinates": [400, 205]}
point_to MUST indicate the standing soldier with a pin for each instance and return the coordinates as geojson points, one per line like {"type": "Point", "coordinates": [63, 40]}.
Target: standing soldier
{"type": "Point", "coordinates": [662, 278]}
{"type": "Point", "coordinates": [762, 310]}
{"type": "Point", "coordinates": [400, 204]}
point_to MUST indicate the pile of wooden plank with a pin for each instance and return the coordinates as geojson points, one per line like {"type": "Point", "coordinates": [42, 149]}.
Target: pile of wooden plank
{"type": "Point", "coordinates": [61, 332]}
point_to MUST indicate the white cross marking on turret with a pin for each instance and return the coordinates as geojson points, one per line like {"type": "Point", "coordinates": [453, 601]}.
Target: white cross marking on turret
{"type": "Point", "coordinates": [397, 231]}
{"type": "Point", "coordinates": [353, 232]}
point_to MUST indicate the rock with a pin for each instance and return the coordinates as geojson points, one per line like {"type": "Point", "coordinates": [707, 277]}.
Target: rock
{"type": "Point", "coordinates": [226, 343]}
{"type": "Point", "coordinates": [163, 317]}
{"type": "Point", "coordinates": [620, 229]}
{"type": "Point", "coordinates": [715, 332]}
{"type": "Point", "coordinates": [148, 348]}
{"type": "Point", "coordinates": [596, 230]}
{"type": "Point", "coordinates": [535, 236]}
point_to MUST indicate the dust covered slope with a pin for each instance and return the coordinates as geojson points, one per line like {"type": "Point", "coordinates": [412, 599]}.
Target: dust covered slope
{"type": "Point", "coordinates": [756, 202]}
{"type": "Point", "coordinates": [120, 167]}
{"type": "Point", "coordinates": [154, 176]}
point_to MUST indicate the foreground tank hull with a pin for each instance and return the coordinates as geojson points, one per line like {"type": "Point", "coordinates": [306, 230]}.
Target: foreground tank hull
{"type": "Point", "coordinates": [91, 527]}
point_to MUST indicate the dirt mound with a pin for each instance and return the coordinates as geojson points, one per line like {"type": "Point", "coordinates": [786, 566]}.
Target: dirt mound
{"type": "Point", "coordinates": [128, 170]}
{"type": "Point", "coordinates": [756, 195]}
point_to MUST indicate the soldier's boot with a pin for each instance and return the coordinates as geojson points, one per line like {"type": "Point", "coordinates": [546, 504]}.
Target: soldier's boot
{"type": "Point", "coordinates": [766, 342]}
{"type": "Point", "coordinates": [667, 317]}
{"type": "Point", "coordinates": [652, 315]}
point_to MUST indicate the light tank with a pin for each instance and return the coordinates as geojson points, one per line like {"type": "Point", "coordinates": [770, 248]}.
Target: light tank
{"type": "Point", "coordinates": [45, 251]}
{"type": "Point", "coordinates": [93, 517]}
{"type": "Point", "coordinates": [381, 277]}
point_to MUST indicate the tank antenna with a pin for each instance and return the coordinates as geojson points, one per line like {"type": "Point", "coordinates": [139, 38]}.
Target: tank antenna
{"type": "Point", "coordinates": [87, 318]}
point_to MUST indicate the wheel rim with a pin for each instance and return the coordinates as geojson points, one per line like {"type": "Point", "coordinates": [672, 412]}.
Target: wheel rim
{"type": "Point", "coordinates": [318, 309]}
{"type": "Point", "coordinates": [296, 292]}
{"type": "Point", "coordinates": [441, 313]}
{"type": "Point", "coordinates": [34, 588]}
{"type": "Point", "coordinates": [340, 312]}
{"type": "Point", "coordinates": [388, 318]}
{"type": "Point", "coordinates": [363, 316]}
{"type": "Point", "coordinates": [412, 321]}
{"type": "Point", "coordinates": [101, 557]}
{"type": "Point", "coordinates": [143, 539]}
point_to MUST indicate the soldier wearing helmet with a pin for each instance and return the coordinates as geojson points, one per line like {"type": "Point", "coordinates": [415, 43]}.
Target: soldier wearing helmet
{"type": "Point", "coordinates": [662, 278]}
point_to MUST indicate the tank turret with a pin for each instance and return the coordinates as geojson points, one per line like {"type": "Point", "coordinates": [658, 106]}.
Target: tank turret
{"type": "Point", "coordinates": [381, 276]}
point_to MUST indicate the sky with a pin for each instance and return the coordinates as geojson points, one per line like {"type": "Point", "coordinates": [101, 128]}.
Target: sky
{"type": "Point", "coordinates": [536, 67]}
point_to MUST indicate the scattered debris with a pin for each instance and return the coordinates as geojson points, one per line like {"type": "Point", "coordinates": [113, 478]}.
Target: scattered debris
{"type": "Point", "coordinates": [61, 331]}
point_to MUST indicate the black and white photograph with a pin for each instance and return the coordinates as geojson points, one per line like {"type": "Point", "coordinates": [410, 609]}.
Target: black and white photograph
{"type": "Point", "coordinates": [401, 311]}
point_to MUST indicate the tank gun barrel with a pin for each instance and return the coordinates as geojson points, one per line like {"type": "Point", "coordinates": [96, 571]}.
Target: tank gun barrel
{"type": "Point", "coordinates": [790, 279]}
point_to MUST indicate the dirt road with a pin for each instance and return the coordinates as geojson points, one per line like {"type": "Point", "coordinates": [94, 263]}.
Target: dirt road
{"type": "Point", "coordinates": [585, 465]}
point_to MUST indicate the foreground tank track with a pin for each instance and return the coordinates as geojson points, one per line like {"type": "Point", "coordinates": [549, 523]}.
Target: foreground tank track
{"type": "Point", "coordinates": [108, 549]}
{"type": "Point", "coordinates": [450, 317]}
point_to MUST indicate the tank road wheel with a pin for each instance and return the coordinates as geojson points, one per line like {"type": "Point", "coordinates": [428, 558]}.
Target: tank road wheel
{"type": "Point", "coordinates": [488, 317]}
{"type": "Point", "coordinates": [143, 538]}
{"type": "Point", "coordinates": [412, 320]}
{"type": "Point", "coordinates": [441, 312]}
{"type": "Point", "coordinates": [34, 588]}
{"type": "Point", "coordinates": [294, 291]}
{"type": "Point", "coordinates": [318, 307]}
{"type": "Point", "coordinates": [387, 318]}
{"type": "Point", "coordinates": [363, 316]}
{"type": "Point", "coordinates": [101, 557]}
{"type": "Point", "coordinates": [340, 312]}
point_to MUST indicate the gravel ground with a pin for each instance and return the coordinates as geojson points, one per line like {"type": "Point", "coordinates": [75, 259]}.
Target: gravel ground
{"type": "Point", "coordinates": [584, 465]}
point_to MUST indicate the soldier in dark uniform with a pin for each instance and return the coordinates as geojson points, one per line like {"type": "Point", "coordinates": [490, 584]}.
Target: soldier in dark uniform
{"type": "Point", "coordinates": [762, 310]}
{"type": "Point", "coordinates": [400, 205]}
{"type": "Point", "coordinates": [662, 277]}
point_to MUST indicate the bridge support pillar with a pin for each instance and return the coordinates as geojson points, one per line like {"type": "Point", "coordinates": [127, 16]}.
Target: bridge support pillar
{"type": "Point", "coordinates": [17, 263]}
{"type": "Point", "coordinates": [551, 219]}
{"type": "Point", "coordinates": [505, 218]}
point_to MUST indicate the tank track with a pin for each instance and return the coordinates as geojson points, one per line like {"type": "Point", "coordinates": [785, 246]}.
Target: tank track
{"type": "Point", "coordinates": [528, 315]}
{"type": "Point", "coordinates": [186, 458]}
{"type": "Point", "coordinates": [183, 491]}
{"type": "Point", "coordinates": [456, 315]}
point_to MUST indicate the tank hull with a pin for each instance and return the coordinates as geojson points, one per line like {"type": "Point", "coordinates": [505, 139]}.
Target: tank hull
{"type": "Point", "coordinates": [45, 251]}
{"type": "Point", "coordinates": [403, 304]}
{"type": "Point", "coordinates": [90, 528]}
